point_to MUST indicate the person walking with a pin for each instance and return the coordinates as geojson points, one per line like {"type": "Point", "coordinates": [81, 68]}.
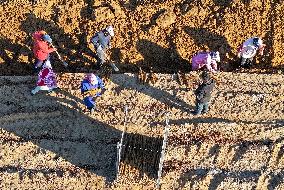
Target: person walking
{"type": "Point", "coordinates": [91, 87]}
{"type": "Point", "coordinates": [248, 50]}
{"type": "Point", "coordinates": [101, 42]}
{"type": "Point", "coordinates": [46, 79]}
{"type": "Point", "coordinates": [206, 60]}
{"type": "Point", "coordinates": [203, 94]}
{"type": "Point", "coordinates": [41, 48]}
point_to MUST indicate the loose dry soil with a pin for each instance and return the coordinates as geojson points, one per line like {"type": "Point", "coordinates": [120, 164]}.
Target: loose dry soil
{"type": "Point", "coordinates": [163, 34]}
{"type": "Point", "coordinates": [49, 141]}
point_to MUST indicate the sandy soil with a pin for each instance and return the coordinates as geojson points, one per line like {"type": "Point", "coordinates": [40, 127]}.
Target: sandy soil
{"type": "Point", "coordinates": [163, 34]}
{"type": "Point", "coordinates": [48, 141]}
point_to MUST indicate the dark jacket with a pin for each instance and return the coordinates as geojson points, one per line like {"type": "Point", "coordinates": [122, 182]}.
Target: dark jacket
{"type": "Point", "coordinates": [204, 90]}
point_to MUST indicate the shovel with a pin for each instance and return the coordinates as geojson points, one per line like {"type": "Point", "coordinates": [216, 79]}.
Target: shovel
{"type": "Point", "coordinates": [114, 67]}
{"type": "Point", "coordinates": [63, 62]}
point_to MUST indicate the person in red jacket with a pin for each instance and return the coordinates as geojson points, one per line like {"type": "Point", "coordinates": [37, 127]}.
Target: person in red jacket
{"type": "Point", "coordinates": [41, 48]}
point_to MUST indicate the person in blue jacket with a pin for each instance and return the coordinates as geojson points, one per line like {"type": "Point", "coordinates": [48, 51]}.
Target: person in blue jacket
{"type": "Point", "coordinates": [91, 87]}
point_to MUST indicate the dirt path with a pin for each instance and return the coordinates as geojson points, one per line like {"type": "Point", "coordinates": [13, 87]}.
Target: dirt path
{"type": "Point", "coordinates": [48, 141]}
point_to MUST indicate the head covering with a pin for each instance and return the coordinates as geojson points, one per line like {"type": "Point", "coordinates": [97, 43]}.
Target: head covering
{"type": "Point", "coordinates": [215, 56]}
{"type": "Point", "coordinates": [92, 78]}
{"type": "Point", "coordinates": [257, 42]}
{"type": "Point", "coordinates": [47, 64]}
{"type": "Point", "coordinates": [47, 38]}
{"type": "Point", "coordinates": [110, 30]}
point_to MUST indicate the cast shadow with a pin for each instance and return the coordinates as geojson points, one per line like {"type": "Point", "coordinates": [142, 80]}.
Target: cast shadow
{"type": "Point", "coordinates": [69, 47]}
{"type": "Point", "coordinates": [276, 180]}
{"type": "Point", "coordinates": [15, 57]}
{"type": "Point", "coordinates": [130, 83]}
{"type": "Point", "coordinates": [219, 175]}
{"type": "Point", "coordinates": [268, 54]}
{"type": "Point", "coordinates": [187, 5]}
{"type": "Point", "coordinates": [142, 153]}
{"type": "Point", "coordinates": [56, 123]}
{"type": "Point", "coordinates": [133, 4]}
{"type": "Point", "coordinates": [153, 19]}
{"type": "Point", "coordinates": [208, 40]}
{"type": "Point", "coordinates": [81, 140]}
{"type": "Point", "coordinates": [162, 60]}
{"type": "Point", "coordinates": [88, 11]}
{"type": "Point", "coordinates": [218, 14]}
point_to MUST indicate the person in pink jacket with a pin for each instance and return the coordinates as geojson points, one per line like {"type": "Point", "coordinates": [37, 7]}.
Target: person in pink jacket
{"type": "Point", "coordinates": [207, 60]}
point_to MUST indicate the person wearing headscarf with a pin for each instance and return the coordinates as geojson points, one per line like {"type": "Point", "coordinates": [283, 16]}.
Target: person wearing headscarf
{"type": "Point", "coordinates": [91, 87]}
{"type": "Point", "coordinates": [206, 60]}
{"type": "Point", "coordinates": [41, 48]}
{"type": "Point", "coordinates": [46, 79]}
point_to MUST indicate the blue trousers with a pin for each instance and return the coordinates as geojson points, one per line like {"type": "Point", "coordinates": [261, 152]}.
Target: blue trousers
{"type": "Point", "coordinates": [89, 102]}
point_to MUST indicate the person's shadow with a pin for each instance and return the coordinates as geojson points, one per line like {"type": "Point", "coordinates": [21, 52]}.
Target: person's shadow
{"type": "Point", "coordinates": [214, 42]}
{"type": "Point", "coordinates": [129, 82]}
{"type": "Point", "coordinates": [55, 122]}
{"type": "Point", "coordinates": [15, 58]}
{"type": "Point", "coordinates": [133, 4]}
{"type": "Point", "coordinates": [71, 48]}
{"type": "Point", "coordinates": [162, 60]}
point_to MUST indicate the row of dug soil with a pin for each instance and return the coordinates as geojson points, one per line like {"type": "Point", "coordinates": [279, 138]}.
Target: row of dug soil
{"type": "Point", "coordinates": [159, 34]}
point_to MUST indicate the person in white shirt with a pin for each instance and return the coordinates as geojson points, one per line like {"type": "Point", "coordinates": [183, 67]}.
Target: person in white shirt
{"type": "Point", "coordinates": [249, 49]}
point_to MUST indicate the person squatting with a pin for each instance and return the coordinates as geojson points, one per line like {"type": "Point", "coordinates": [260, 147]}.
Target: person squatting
{"type": "Point", "coordinates": [248, 50]}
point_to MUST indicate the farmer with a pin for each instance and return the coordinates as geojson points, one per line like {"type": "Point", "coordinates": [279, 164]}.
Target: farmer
{"type": "Point", "coordinates": [41, 48]}
{"type": "Point", "coordinates": [91, 87]}
{"type": "Point", "coordinates": [248, 50]}
{"type": "Point", "coordinates": [203, 94]}
{"type": "Point", "coordinates": [206, 60]}
{"type": "Point", "coordinates": [101, 41]}
{"type": "Point", "coordinates": [46, 79]}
